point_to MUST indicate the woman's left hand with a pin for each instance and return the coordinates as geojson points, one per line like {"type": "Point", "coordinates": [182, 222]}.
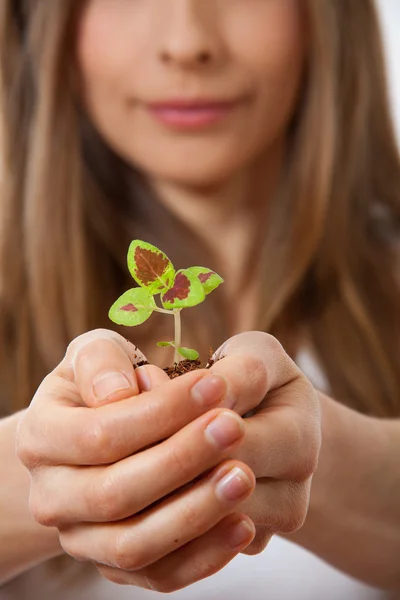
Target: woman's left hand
{"type": "Point", "coordinates": [283, 433]}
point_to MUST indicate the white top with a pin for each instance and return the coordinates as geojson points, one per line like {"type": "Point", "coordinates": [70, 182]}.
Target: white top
{"type": "Point", "coordinates": [282, 572]}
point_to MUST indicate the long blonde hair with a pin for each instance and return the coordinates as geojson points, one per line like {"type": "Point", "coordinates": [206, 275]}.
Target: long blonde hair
{"type": "Point", "coordinates": [66, 221]}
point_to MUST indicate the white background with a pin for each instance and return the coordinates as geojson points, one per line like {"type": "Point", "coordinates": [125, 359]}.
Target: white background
{"type": "Point", "coordinates": [390, 12]}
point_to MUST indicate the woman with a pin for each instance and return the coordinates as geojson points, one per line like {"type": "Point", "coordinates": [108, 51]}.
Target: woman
{"type": "Point", "coordinates": [262, 123]}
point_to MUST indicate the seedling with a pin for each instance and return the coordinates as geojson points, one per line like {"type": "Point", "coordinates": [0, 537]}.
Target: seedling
{"type": "Point", "coordinates": [155, 274]}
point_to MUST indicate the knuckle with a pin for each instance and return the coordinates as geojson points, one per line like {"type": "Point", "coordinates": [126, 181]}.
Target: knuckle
{"type": "Point", "coordinates": [256, 375]}
{"type": "Point", "coordinates": [102, 499]}
{"type": "Point", "coordinates": [309, 464]}
{"type": "Point", "coordinates": [150, 413]}
{"type": "Point", "coordinates": [293, 522]}
{"type": "Point", "coordinates": [26, 447]}
{"type": "Point", "coordinates": [308, 396]}
{"type": "Point", "coordinates": [259, 543]}
{"type": "Point", "coordinates": [69, 545]}
{"type": "Point", "coordinates": [308, 452]}
{"type": "Point", "coordinates": [178, 464]}
{"type": "Point", "coordinates": [301, 447]}
{"type": "Point", "coordinates": [295, 512]}
{"type": "Point", "coordinates": [190, 516]}
{"type": "Point", "coordinates": [305, 469]}
{"type": "Point", "coordinates": [95, 440]}
{"type": "Point", "coordinates": [125, 555]}
{"type": "Point", "coordinates": [42, 511]}
{"type": "Point", "coordinates": [25, 452]}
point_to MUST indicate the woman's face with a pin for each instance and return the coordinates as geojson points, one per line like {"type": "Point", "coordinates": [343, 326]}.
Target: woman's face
{"type": "Point", "coordinates": [191, 91]}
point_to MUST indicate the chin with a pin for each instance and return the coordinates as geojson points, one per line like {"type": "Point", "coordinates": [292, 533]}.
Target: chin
{"type": "Point", "coordinates": [191, 169]}
{"type": "Point", "coordinates": [190, 176]}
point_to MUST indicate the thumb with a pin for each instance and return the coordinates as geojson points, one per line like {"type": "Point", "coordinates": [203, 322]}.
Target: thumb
{"type": "Point", "coordinates": [101, 363]}
{"type": "Point", "coordinates": [267, 350]}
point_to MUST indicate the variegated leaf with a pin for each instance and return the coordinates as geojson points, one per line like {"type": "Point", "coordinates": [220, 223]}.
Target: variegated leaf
{"type": "Point", "coordinates": [150, 267]}
{"type": "Point", "coordinates": [209, 279]}
{"type": "Point", "coordinates": [134, 307]}
{"type": "Point", "coordinates": [186, 291]}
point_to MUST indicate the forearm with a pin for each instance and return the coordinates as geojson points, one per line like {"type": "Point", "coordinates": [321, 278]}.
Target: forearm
{"type": "Point", "coordinates": [23, 543]}
{"type": "Point", "coordinates": [354, 516]}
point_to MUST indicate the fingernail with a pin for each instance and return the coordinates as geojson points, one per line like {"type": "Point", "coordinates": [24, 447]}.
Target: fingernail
{"type": "Point", "coordinates": [209, 390]}
{"type": "Point", "coordinates": [238, 534]}
{"type": "Point", "coordinates": [109, 383]}
{"type": "Point", "coordinates": [233, 486]}
{"type": "Point", "coordinates": [224, 430]}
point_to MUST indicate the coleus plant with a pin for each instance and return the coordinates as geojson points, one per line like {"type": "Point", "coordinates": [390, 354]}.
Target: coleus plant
{"type": "Point", "coordinates": [155, 274]}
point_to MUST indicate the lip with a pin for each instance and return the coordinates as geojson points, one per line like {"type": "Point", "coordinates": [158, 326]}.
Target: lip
{"type": "Point", "coordinates": [191, 114]}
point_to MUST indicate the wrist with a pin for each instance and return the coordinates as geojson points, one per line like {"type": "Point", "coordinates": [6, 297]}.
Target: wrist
{"type": "Point", "coordinates": [353, 520]}
{"type": "Point", "coordinates": [25, 543]}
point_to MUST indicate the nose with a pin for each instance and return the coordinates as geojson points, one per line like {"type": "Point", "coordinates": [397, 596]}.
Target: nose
{"type": "Point", "coordinates": [189, 36]}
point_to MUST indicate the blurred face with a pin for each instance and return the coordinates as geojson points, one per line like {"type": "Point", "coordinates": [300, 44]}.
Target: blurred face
{"type": "Point", "coordinates": [191, 91]}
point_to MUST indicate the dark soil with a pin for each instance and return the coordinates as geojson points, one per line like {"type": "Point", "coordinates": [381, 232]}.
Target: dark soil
{"type": "Point", "coordinates": [182, 367]}
{"type": "Point", "coordinates": [185, 366]}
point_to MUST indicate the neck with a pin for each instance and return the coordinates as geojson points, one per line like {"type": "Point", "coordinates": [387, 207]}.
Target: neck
{"type": "Point", "coordinates": [230, 220]}
{"type": "Point", "coordinates": [233, 212]}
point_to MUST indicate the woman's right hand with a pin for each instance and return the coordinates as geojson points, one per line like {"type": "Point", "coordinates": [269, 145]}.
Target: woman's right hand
{"type": "Point", "coordinates": [98, 457]}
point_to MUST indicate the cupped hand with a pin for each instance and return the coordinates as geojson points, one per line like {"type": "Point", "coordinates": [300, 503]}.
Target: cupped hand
{"type": "Point", "coordinates": [148, 486]}
{"type": "Point", "coordinates": [283, 434]}
{"type": "Point", "coordinates": [139, 481]}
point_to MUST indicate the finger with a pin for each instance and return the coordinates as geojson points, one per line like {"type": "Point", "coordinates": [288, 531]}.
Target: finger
{"type": "Point", "coordinates": [283, 442]}
{"type": "Point", "coordinates": [247, 380]}
{"type": "Point", "coordinates": [102, 362]}
{"type": "Point", "coordinates": [112, 493]}
{"type": "Point", "coordinates": [54, 432]}
{"type": "Point", "coordinates": [149, 377]}
{"type": "Point", "coordinates": [260, 541]}
{"type": "Point", "coordinates": [265, 350]}
{"type": "Point", "coordinates": [276, 507]}
{"type": "Point", "coordinates": [135, 543]}
{"type": "Point", "coordinates": [199, 559]}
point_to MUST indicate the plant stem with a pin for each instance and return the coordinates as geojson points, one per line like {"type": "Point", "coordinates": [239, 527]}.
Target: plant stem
{"type": "Point", "coordinates": [178, 334]}
{"type": "Point", "coordinates": [163, 311]}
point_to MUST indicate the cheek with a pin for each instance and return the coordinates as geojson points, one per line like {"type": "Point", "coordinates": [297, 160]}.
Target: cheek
{"type": "Point", "coordinates": [271, 47]}
{"type": "Point", "coordinates": [267, 32]}
{"type": "Point", "coordinates": [91, 43]}
{"type": "Point", "coordinates": [103, 46]}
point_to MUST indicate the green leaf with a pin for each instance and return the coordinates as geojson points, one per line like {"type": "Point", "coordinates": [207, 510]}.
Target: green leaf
{"type": "Point", "coordinates": [132, 308]}
{"type": "Point", "coordinates": [150, 267]}
{"type": "Point", "coordinates": [186, 291]}
{"type": "Point", "coordinates": [188, 353]}
{"type": "Point", "coordinates": [209, 279]}
{"type": "Point", "coordinates": [165, 344]}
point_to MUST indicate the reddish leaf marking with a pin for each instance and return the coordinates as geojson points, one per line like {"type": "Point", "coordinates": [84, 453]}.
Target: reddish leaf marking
{"type": "Point", "coordinates": [149, 265]}
{"type": "Point", "coordinates": [129, 308]}
{"type": "Point", "coordinates": [205, 276]}
{"type": "Point", "coordinates": [180, 290]}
